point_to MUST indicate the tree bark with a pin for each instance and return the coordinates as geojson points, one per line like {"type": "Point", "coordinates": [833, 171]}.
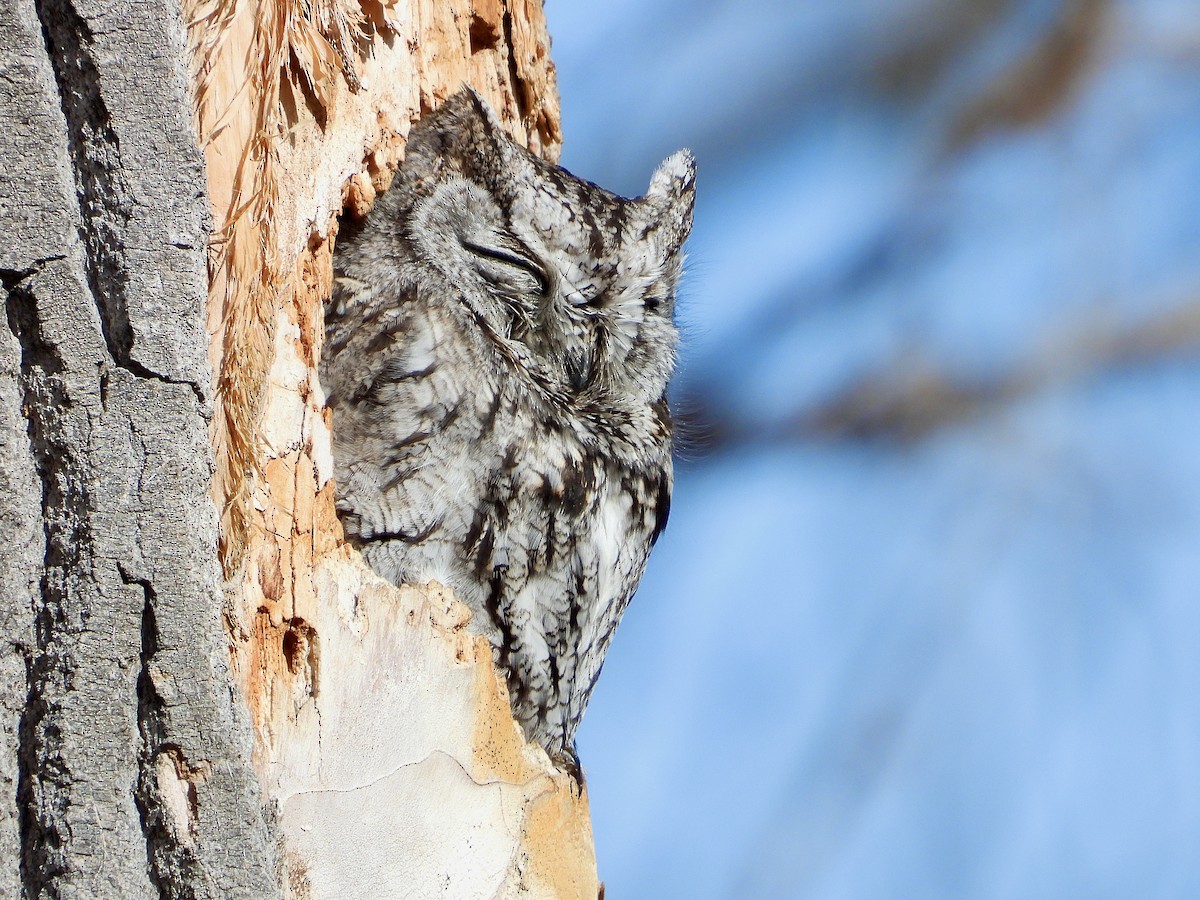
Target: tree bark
{"type": "Point", "coordinates": [204, 693]}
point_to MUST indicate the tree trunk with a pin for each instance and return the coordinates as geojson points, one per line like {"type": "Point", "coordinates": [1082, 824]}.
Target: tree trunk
{"type": "Point", "coordinates": [204, 692]}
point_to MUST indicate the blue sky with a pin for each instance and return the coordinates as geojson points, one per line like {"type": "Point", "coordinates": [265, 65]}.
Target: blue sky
{"type": "Point", "coordinates": [925, 621]}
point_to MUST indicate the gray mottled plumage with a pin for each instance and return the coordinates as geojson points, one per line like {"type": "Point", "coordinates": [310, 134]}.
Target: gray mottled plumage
{"type": "Point", "coordinates": [497, 353]}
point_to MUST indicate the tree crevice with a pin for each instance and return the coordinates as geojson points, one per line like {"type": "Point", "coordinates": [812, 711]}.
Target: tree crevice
{"type": "Point", "coordinates": [173, 868]}
{"type": "Point", "coordinates": [44, 779]}
{"type": "Point", "coordinates": [105, 204]}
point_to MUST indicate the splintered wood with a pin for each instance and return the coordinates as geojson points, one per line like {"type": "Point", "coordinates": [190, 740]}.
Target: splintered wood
{"type": "Point", "coordinates": [383, 734]}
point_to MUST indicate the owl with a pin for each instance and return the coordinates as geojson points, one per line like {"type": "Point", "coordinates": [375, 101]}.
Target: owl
{"type": "Point", "coordinates": [497, 351]}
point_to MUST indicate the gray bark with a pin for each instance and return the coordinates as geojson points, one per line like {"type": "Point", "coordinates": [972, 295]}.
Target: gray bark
{"type": "Point", "coordinates": [124, 759]}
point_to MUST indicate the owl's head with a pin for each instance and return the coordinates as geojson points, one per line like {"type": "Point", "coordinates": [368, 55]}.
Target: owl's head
{"type": "Point", "coordinates": [581, 280]}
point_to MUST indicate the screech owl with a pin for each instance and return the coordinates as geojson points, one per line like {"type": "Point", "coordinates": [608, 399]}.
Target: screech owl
{"type": "Point", "coordinates": [497, 351]}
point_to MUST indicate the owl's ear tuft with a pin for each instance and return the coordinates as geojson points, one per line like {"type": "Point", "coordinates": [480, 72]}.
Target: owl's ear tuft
{"type": "Point", "coordinates": [468, 132]}
{"type": "Point", "coordinates": [470, 99]}
{"type": "Point", "coordinates": [674, 181]}
{"type": "Point", "coordinates": [462, 134]}
{"type": "Point", "coordinates": [672, 197]}
{"type": "Point", "coordinates": [466, 112]}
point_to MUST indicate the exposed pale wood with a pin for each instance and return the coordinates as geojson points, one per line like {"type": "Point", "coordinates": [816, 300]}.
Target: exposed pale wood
{"type": "Point", "coordinates": [382, 734]}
